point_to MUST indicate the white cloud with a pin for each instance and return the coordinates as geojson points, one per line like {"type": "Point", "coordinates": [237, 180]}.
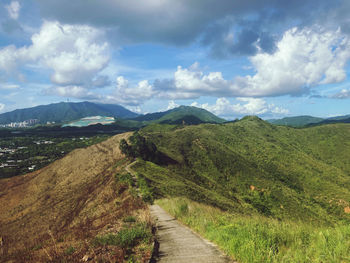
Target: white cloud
{"type": "Point", "coordinates": [75, 54]}
{"type": "Point", "coordinates": [343, 94]}
{"type": "Point", "coordinates": [249, 106]}
{"type": "Point", "coordinates": [172, 105]}
{"type": "Point", "coordinates": [2, 107]}
{"type": "Point", "coordinates": [131, 95]}
{"type": "Point", "coordinates": [303, 60]}
{"type": "Point", "coordinates": [13, 9]}
{"type": "Point", "coordinates": [192, 83]}
{"type": "Point", "coordinates": [136, 109]}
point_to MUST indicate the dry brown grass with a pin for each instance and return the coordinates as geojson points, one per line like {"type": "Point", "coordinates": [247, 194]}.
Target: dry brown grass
{"type": "Point", "coordinates": [65, 204]}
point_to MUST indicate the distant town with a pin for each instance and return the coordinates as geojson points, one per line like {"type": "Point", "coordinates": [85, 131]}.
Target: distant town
{"type": "Point", "coordinates": [23, 154]}
{"type": "Point", "coordinates": [22, 124]}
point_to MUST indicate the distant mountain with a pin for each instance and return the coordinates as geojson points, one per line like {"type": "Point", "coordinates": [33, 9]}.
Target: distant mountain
{"type": "Point", "coordinates": [65, 111]}
{"type": "Point", "coordinates": [297, 121]}
{"type": "Point", "coordinates": [302, 121]}
{"type": "Point", "coordinates": [187, 114]}
{"type": "Point", "coordinates": [338, 119]}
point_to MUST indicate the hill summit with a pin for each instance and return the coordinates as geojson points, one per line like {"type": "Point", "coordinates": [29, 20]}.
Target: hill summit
{"type": "Point", "coordinates": [187, 114]}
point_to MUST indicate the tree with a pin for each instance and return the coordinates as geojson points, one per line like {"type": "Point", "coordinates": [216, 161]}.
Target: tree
{"type": "Point", "coordinates": [124, 147]}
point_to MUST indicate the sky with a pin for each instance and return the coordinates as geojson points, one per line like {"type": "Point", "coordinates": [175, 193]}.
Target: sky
{"type": "Point", "coordinates": [271, 58]}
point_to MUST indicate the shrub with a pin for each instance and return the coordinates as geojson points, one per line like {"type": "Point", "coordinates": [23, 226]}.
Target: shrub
{"type": "Point", "coordinates": [129, 219]}
{"type": "Point", "coordinates": [126, 238]}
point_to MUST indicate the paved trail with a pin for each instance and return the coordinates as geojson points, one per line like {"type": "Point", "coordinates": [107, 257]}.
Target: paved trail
{"type": "Point", "coordinates": [178, 244]}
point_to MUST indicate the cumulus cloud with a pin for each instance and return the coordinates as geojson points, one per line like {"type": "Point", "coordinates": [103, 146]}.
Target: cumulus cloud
{"type": "Point", "coordinates": [248, 106]}
{"type": "Point", "coordinates": [74, 53]}
{"type": "Point", "coordinates": [192, 83]}
{"type": "Point", "coordinates": [13, 9]}
{"type": "Point", "coordinates": [231, 27]}
{"type": "Point", "coordinates": [131, 95]}
{"type": "Point", "coordinates": [303, 60]}
{"type": "Point", "coordinates": [77, 92]}
{"type": "Point", "coordinates": [2, 107]}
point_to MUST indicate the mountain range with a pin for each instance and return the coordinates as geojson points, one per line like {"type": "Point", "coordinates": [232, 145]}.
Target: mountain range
{"type": "Point", "coordinates": [305, 120]}
{"type": "Point", "coordinates": [65, 112]}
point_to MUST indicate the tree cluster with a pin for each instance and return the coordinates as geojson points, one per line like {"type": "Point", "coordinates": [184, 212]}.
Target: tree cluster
{"type": "Point", "coordinates": [140, 147]}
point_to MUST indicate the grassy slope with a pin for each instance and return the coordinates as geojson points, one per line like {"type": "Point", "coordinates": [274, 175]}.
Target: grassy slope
{"type": "Point", "coordinates": [76, 206]}
{"type": "Point", "coordinates": [251, 239]}
{"type": "Point", "coordinates": [283, 192]}
{"type": "Point", "coordinates": [253, 167]}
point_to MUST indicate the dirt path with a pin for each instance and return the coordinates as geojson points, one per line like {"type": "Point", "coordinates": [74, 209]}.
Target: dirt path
{"type": "Point", "coordinates": [179, 244]}
{"type": "Point", "coordinates": [129, 170]}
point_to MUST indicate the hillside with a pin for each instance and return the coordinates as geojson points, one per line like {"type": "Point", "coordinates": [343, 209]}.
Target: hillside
{"type": "Point", "coordinates": [262, 192]}
{"type": "Point", "coordinates": [73, 208]}
{"type": "Point", "coordinates": [297, 121]}
{"type": "Point", "coordinates": [65, 111]}
{"type": "Point", "coordinates": [187, 114]}
{"type": "Point", "coordinates": [339, 119]}
{"type": "Point", "coordinates": [253, 167]}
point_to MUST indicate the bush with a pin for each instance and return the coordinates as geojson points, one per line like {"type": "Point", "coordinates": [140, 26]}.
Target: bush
{"type": "Point", "coordinates": [146, 191]}
{"type": "Point", "coordinates": [125, 178]}
{"type": "Point", "coordinates": [126, 238]}
{"type": "Point", "coordinates": [140, 147]}
{"type": "Point", "coordinates": [129, 219]}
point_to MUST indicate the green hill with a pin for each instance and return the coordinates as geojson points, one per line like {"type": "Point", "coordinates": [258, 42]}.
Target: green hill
{"type": "Point", "coordinates": [253, 167]}
{"type": "Point", "coordinates": [65, 111]}
{"type": "Point", "coordinates": [187, 114]}
{"type": "Point", "coordinates": [297, 121]}
{"type": "Point", "coordinates": [339, 119]}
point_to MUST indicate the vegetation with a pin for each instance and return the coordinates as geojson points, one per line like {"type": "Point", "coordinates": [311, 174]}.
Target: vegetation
{"type": "Point", "coordinates": [140, 148]}
{"type": "Point", "coordinates": [263, 193]}
{"type": "Point", "coordinates": [259, 239]}
{"type": "Point", "coordinates": [23, 154]}
{"type": "Point", "coordinates": [98, 201]}
{"type": "Point", "coordinates": [256, 168]}
{"type": "Point", "coordinates": [180, 115]}
{"type": "Point", "coordinates": [127, 237]}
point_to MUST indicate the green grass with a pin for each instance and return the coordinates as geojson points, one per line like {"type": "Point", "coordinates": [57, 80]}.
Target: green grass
{"type": "Point", "coordinates": [304, 171]}
{"type": "Point", "coordinates": [260, 239]}
{"type": "Point", "coordinates": [124, 178]}
{"type": "Point", "coordinates": [129, 219]}
{"type": "Point", "coordinates": [127, 237]}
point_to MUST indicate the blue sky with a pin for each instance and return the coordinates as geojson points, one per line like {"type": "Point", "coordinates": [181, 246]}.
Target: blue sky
{"type": "Point", "coordinates": [268, 58]}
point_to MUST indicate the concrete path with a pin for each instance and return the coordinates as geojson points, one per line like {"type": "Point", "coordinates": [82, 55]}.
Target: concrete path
{"type": "Point", "coordinates": [178, 244]}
